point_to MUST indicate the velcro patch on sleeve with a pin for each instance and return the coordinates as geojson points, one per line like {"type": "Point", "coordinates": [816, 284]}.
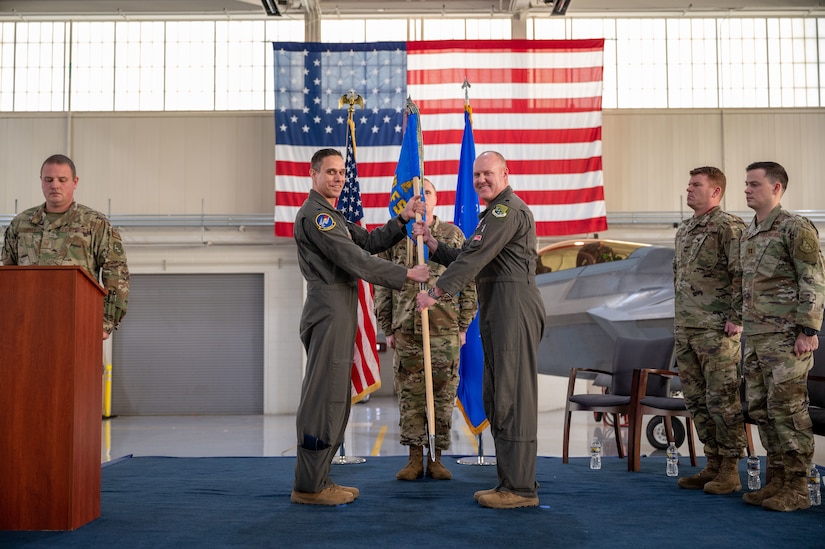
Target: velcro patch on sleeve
{"type": "Point", "coordinates": [324, 222]}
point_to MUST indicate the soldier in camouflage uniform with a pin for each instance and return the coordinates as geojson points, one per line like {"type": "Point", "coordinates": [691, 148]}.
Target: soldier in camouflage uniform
{"type": "Point", "coordinates": [708, 324]}
{"type": "Point", "coordinates": [501, 257]}
{"type": "Point", "coordinates": [448, 322]}
{"type": "Point", "coordinates": [783, 282]}
{"type": "Point", "coordinates": [63, 232]}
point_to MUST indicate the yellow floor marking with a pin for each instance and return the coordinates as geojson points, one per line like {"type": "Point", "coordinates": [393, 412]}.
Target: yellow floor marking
{"type": "Point", "coordinates": [379, 441]}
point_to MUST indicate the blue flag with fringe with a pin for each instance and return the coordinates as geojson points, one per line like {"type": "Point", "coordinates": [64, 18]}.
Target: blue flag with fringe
{"type": "Point", "coordinates": [471, 362]}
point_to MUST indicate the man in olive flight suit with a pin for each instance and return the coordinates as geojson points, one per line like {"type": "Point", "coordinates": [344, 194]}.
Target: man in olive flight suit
{"type": "Point", "coordinates": [783, 288]}
{"type": "Point", "coordinates": [333, 254]}
{"type": "Point", "coordinates": [501, 256]}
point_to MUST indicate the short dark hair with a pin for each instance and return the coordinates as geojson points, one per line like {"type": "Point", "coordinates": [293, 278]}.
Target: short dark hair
{"type": "Point", "coordinates": [60, 159]}
{"type": "Point", "coordinates": [714, 174]}
{"type": "Point", "coordinates": [773, 171]}
{"type": "Point", "coordinates": [318, 158]}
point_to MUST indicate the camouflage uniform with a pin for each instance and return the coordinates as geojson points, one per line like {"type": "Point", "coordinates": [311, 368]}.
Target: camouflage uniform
{"type": "Point", "coordinates": [80, 236]}
{"type": "Point", "coordinates": [707, 280]}
{"type": "Point", "coordinates": [783, 283]}
{"type": "Point", "coordinates": [397, 316]}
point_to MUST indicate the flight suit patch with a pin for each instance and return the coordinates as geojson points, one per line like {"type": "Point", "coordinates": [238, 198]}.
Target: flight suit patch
{"type": "Point", "coordinates": [324, 222]}
{"type": "Point", "coordinates": [500, 210]}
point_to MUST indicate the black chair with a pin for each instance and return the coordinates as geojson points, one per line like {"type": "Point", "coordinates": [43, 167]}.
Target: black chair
{"type": "Point", "coordinates": [628, 355]}
{"type": "Point", "coordinates": [816, 389]}
{"type": "Point", "coordinates": [643, 404]}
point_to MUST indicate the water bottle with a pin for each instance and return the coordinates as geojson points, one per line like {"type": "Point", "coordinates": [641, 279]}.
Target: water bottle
{"type": "Point", "coordinates": [672, 460]}
{"type": "Point", "coordinates": [754, 481]}
{"type": "Point", "coordinates": [813, 486]}
{"type": "Point", "coordinates": [595, 454]}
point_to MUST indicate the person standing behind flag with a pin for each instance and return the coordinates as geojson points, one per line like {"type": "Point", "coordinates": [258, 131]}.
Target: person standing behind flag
{"type": "Point", "coordinates": [395, 311]}
{"type": "Point", "coordinates": [332, 255]}
{"type": "Point", "coordinates": [501, 256]}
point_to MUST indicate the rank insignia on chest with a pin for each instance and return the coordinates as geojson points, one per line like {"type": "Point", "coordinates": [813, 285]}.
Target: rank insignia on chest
{"type": "Point", "coordinates": [324, 222]}
{"type": "Point", "coordinates": [500, 210]}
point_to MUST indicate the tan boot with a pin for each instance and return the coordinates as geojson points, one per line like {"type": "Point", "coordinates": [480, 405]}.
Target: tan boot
{"type": "Point", "coordinates": [507, 500]}
{"type": "Point", "coordinates": [794, 495]}
{"type": "Point", "coordinates": [774, 486]}
{"type": "Point", "coordinates": [436, 469]}
{"type": "Point", "coordinates": [727, 481]}
{"type": "Point", "coordinates": [351, 489]}
{"type": "Point", "coordinates": [698, 481]}
{"type": "Point", "coordinates": [331, 495]}
{"type": "Point", "coordinates": [415, 467]}
{"type": "Point", "coordinates": [480, 493]}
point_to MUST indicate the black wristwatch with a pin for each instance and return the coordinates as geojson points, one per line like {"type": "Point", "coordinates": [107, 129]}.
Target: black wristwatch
{"type": "Point", "coordinates": [809, 331]}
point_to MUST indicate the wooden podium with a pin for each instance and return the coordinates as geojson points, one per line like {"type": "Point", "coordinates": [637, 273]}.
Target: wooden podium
{"type": "Point", "coordinates": [51, 327]}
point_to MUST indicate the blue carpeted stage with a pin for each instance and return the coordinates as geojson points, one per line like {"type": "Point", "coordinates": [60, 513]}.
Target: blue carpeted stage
{"type": "Point", "coordinates": [158, 502]}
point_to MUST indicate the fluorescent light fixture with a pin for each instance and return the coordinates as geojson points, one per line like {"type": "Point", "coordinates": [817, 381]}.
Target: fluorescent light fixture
{"type": "Point", "coordinates": [271, 8]}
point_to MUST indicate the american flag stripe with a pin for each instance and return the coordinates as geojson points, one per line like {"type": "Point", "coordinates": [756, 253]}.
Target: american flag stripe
{"type": "Point", "coordinates": [366, 377]}
{"type": "Point", "coordinates": [365, 372]}
{"type": "Point", "coordinates": [536, 102]}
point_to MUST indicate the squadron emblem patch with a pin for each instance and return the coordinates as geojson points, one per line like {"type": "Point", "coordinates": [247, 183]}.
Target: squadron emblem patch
{"type": "Point", "coordinates": [500, 210]}
{"type": "Point", "coordinates": [807, 248]}
{"type": "Point", "coordinates": [324, 222]}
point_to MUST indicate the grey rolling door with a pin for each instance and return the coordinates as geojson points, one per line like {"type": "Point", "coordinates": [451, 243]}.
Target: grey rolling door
{"type": "Point", "coordinates": [190, 344]}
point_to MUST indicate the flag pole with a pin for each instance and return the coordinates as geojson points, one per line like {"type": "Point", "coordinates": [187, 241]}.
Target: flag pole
{"type": "Point", "coordinates": [350, 100]}
{"type": "Point", "coordinates": [425, 337]}
{"type": "Point", "coordinates": [425, 317]}
{"type": "Point", "coordinates": [467, 157]}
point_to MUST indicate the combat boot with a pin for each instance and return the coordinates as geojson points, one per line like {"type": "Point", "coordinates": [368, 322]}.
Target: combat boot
{"type": "Point", "coordinates": [698, 481]}
{"type": "Point", "coordinates": [727, 481]}
{"type": "Point", "coordinates": [436, 469]}
{"type": "Point", "coordinates": [793, 496]}
{"type": "Point", "coordinates": [774, 486]}
{"type": "Point", "coordinates": [415, 467]}
{"type": "Point", "coordinates": [507, 500]}
{"type": "Point", "coordinates": [331, 495]}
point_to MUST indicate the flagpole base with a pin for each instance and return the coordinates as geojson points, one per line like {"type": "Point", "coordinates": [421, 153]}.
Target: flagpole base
{"type": "Point", "coordinates": [347, 460]}
{"type": "Point", "coordinates": [476, 460]}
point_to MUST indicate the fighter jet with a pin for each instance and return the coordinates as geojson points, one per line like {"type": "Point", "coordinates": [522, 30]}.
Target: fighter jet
{"type": "Point", "coordinates": [597, 290]}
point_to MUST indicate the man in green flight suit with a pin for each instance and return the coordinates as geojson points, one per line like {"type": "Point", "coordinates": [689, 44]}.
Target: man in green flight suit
{"type": "Point", "coordinates": [501, 256]}
{"type": "Point", "coordinates": [333, 254]}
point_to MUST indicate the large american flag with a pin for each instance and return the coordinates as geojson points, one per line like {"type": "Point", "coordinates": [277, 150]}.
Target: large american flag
{"type": "Point", "coordinates": [366, 375]}
{"type": "Point", "coordinates": [536, 102]}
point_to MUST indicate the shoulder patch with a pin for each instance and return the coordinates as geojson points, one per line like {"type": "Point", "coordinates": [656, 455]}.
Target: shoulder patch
{"type": "Point", "coordinates": [807, 247]}
{"type": "Point", "coordinates": [500, 210]}
{"type": "Point", "coordinates": [324, 222]}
